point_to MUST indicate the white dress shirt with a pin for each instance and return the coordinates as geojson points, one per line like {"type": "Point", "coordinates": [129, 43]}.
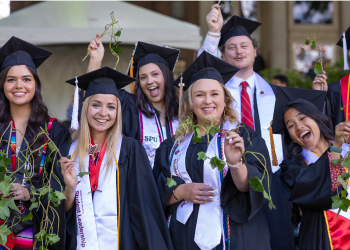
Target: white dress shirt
{"type": "Point", "coordinates": [234, 85]}
{"type": "Point", "coordinates": [210, 45]}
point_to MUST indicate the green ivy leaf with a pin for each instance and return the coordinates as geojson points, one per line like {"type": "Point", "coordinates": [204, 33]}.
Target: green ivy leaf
{"type": "Point", "coordinates": [214, 129]}
{"type": "Point", "coordinates": [318, 68]}
{"type": "Point", "coordinates": [217, 162]}
{"type": "Point", "coordinates": [41, 234]}
{"type": "Point", "coordinates": [48, 159]}
{"type": "Point", "coordinates": [313, 45]}
{"type": "Point", "coordinates": [4, 232]}
{"type": "Point", "coordinates": [256, 184]}
{"type": "Point", "coordinates": [342, 182]}
{"type": "Point", "coordinates": [2, 173]}
{"type": "Point", "coordinates": [43, 190]}
{"type": "Point", "coordinates": [69, 157]}
{"type": "Point", "coordinates": [81, 174]}
{"type": "Point", "coordinates": [118, 33]}
{"type": "Point", "coordinates": [52, 197]}
{"type": "Point", "coordinates": [4, 211]}
{"type": "Point", "coordinates": [346, 175]}
{"type": "Point", "coordinates": [6, 185]}
{"type": "Point", "coordinates": [343, 193]}
{"type": "Point", "coordinates": [202, 156]}
{"type": "Point", "coordinates": [336, 161]}
{"type": "Point", "coordinates": [231, 4]}
{"type": "Point", "coordinates": [197, 133]}
{"type": "Point", "coordinates": [34, 205]}
{"type": "Point", "coordinates": [170, 182]}
{"type": "Point", "coordinates": [117, 50]}
{"type": "Point", "coordinates": [51, 147]}
{"type": "Point", "coordinates": [342, 204]}
{"type": "Point", "coordinates": [28, 217]}
{"type": "Point", "coordinates": [52, 238]}
{"type": "Point", "coordinates": [60, 195]}
{"type": "Point", "coordinates": [271, 205]}
{"type": "Point", "coordinates": [10, 203]}
{"type": "Point", "coordinates": [196, 139]}
{"type": "Point", "coordinates": [346, 163]}
{"type": "Point", "coordinates": [307, 42]}
{"type": "Point", "coordinates": [43, 248]}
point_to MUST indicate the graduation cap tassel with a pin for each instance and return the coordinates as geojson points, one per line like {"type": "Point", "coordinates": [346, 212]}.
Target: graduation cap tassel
{"type": "Point", "coordinates": [345, 53]}
{"type": "Point", "coordinates": [181, 85]}
{"type": "Point", "coordinates": [75, 122]}
{"type": "Point", "coordinates": [273, 150]}
{"type": "Point", "coordinates": [132, 74]}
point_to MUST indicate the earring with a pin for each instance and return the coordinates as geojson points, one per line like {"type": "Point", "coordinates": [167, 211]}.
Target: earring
{"type": "Point", "coordinates": [294, 141]}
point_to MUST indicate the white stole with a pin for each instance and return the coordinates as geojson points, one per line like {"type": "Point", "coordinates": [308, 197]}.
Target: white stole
{"type": "Point", "coordinates": [152, 134]}
{"type": "Point", "coordinates": [209, 228]}
{"type": "Point", "coordinates": [97, 222]}
{"type": "Point", "coordinates": [311, 158]}
{"type": "Point", "coordinates": [265, 98]}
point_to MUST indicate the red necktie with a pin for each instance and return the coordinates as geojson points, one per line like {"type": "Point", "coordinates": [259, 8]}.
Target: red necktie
{"type": "Point", "coordinates": [246, 109]}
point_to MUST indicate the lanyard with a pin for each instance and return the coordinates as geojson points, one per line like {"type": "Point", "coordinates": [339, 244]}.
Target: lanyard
{"type": "Point", "coordinates": [13, 146]}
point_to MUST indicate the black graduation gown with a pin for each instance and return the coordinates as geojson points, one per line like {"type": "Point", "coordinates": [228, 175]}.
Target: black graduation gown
{"type": "Point", "coordinates": [335, 103]}
{"type": "Point", "coordinates": [249, 229]}
{"type": "Point", "coordinates": [130, 113]}
{"type": "Point", "coordinates": [310, 187]}
{"type": "Point", "coordinates": [61, 137]}
{"type": "Point", "coordinates": [143, 224]}
{"type": "Point", "coordinates": [279, 220]}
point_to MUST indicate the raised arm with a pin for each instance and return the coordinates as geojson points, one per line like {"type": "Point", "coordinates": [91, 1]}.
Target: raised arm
{"type": "Point", "coordinates": [97, 52]}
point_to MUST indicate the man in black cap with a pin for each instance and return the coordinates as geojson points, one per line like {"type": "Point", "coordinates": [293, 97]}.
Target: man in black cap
{"type": "Point", "coordinates": [337, 92]}
{"type": "Point", "coordinates": [255, 100]}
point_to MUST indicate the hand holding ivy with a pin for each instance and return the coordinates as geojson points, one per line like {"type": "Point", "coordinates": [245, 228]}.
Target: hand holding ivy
{"type": "Point", "coordinates": [68, 172]}
{"type": "Point", "coordinates": [234, 148]}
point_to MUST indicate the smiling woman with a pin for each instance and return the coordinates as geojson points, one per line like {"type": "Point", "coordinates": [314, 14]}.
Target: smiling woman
{"type": "Point", "coordinates": [151, 110]}
{"type": "Point", "coordinates": [104, 167]}
{"type": "Point", "coordinates": [209, 209]}
{"type": "Point", "coordinates": [22, 115]}
{"type": "Point", "coordinates": [309, 177]}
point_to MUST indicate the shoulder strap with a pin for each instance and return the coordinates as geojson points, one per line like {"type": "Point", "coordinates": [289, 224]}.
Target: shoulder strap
{"type": "Point", "coordinates": [50, 124]}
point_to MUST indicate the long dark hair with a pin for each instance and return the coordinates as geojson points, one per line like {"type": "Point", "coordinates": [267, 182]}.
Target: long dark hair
{"type": "Point", "coordinates": [171, 101]}
{"type": "Point", "coordinates": [294, 149]}
{"type": "Point", "coordinates": [39, 114]}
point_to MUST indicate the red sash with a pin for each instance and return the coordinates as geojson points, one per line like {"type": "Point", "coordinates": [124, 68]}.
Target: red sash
{"type": "Point", "coordinates": [95, 169]}
{"type": "Point", "coordinates": [344, 85]}
{"type": "Point", "coordinates": [338, 230]}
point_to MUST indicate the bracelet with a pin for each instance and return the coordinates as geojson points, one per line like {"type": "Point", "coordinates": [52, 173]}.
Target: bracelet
{"type": "Point", "coordinates": [235, 167]}
{"type": "Point", "coordinates": [175, 195]}
{"type": "Point", "coordinates": [334, 149]}
{"type": "Point", "coordinates": [214, 34]}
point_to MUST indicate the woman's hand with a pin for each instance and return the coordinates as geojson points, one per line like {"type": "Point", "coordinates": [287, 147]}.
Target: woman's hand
{"type": "Point", "coordinates": [97, 52]}
{"type": "Point", "coordinates": [234, 148]}
{"type": "Point", "coordinates": [19, 192]}
{"type": "Point", "coordinates": [194, 192]}
{"type": "Point", "coordinates": [320, 80]}
{"type": "Point", "coordinates": [68, 172]}
{"type": "Point", "coordinates": [342, 132]}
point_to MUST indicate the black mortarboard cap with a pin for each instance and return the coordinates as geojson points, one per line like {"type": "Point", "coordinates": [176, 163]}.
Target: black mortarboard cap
{"type": "Point", "coordinates": [237, 26]}
{"type": "Point", "coordinates": [102, 81]}
{"type": "Point", "coordinates": [18, 52]}
{"type": "Point", "coordinates": [347, 38]}
{"type": "Point", "coordinates": [146, 53]}
{"type": "Point", "coordinates": [207, 66]}
{"type": "Point", "coordinates": [287, 95]}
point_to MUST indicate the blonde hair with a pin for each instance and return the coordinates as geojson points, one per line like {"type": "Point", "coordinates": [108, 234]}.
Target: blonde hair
{"type": "Point", "coordinates": [83, 136]}
{"type": "Point", "coordinates": [187, 111]}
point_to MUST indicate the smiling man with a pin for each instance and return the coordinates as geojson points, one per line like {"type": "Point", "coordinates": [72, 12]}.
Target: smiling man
{"type": "Point", "coordinates": [255, 99]}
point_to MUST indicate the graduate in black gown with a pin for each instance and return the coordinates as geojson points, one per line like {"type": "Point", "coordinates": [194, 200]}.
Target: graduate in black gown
{"type": "Point", "coordinates": [309, 178]}
{"type": "Point", "coordinates": [22, 106]}
{"type": "Point", "coordinates": [337, 92]}
{"type": "Point", "coordinates": [116, 206]}
{"type": "Point", "coordinates": [208, 209]}
{"type": "Point", "coordinates": [150, 111]}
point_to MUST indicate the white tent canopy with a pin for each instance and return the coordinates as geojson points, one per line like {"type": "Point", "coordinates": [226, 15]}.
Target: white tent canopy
{"type": "Point", "coordinates": [61, 22]}
{"type": "Point", "coordinates": [65, 29]}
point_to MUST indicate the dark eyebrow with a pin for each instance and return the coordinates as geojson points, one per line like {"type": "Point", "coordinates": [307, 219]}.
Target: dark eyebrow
{"type": "Point", "coordinates": [296, 115]}
{"type": "Point", "coordinates": [22, 76]}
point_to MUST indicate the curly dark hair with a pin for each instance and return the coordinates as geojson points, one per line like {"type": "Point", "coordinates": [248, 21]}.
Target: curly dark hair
{"type": "Point", "coordinates": [39, 114]}
{"type": "Point", "coordinates": [171, 100]}
{"type": "Point", "coordinates": [294, 149]}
